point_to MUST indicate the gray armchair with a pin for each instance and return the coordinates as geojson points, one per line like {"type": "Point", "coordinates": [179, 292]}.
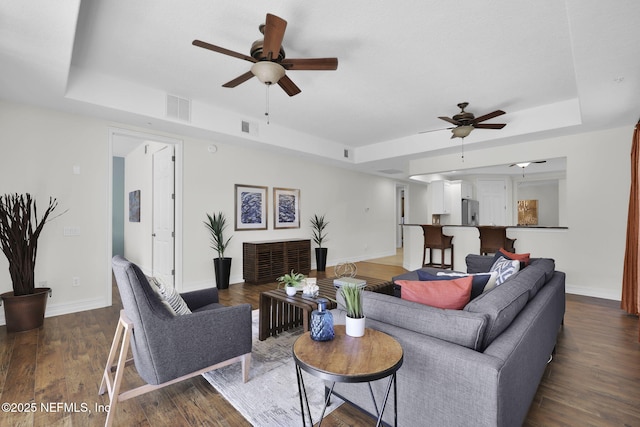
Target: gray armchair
{"type": "Point", "coordinates": [168, 348]}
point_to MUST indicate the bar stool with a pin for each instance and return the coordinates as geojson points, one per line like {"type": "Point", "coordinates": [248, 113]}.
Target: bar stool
{"type": "Point", "coordinates": [435, 239]}
{"type": "Point", "coordinates": [492, 238]}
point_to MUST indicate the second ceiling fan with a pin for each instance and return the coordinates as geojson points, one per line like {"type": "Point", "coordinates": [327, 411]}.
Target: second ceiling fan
{"type": "Point", "coordinates": [269, 60]}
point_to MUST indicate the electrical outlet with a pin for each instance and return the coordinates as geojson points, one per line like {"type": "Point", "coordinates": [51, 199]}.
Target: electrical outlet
{"type": "Point", "coordinates": [43, 284]}
{"type": "Point", "coordinates": [75, 282]}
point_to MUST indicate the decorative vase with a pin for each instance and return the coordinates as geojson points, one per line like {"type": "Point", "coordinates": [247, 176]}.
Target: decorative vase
{"type": "Point", "coordinates": [354, 327]}
{"type": "Point", "coordinates": [291, 290]}
{"type": "Point", "coordinates": [222, 267]}
{"type": "Point", "coordinates": [25, 312]}
{"type": "Point", "coordinates": [321, 259]}
{"type": "Point", "coordinates": [321, 322]}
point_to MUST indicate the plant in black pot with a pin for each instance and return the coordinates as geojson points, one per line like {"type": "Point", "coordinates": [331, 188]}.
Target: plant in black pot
{"type": "Point", "coordinates": [318, 225]}
{"type": "Point", "coordinates": [216, 224]}
{"type": "Point", "coordinates": [20, 229]}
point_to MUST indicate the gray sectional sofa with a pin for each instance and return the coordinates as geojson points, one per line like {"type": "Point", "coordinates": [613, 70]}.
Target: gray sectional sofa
{"type": "Point", "coordinates": [479, 366]}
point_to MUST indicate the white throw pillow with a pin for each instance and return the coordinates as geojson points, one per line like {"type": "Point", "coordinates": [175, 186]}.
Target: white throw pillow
{"type": "Point", "coordinates": [505, 269]}
{"type": "Point", "coordinates": [170, 297]}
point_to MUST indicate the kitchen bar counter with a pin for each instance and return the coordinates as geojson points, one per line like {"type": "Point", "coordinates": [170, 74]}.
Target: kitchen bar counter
{"type": "Point", "coordinates": [540, 241]}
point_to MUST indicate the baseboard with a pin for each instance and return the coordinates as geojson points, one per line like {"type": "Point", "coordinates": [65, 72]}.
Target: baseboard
{"type": "Point", "coordinates": [67, 308]}
{"type": "Point", "coordinates": [596, 293]}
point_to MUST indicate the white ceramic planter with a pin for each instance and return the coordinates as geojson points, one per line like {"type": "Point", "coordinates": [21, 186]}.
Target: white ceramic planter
{"type": "Point", "coordinates": [291, 290]}
{"type": "Point", "coordinates": [354, 327]}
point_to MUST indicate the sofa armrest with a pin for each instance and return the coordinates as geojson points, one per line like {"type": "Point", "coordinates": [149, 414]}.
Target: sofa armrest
{"type": "Point", "coordinates": [200, 298]}
{"type": "Point", "coordinates": [184, 344]}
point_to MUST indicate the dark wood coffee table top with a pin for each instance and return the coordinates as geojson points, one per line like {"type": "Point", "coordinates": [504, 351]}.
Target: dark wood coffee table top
{"type": "Point", "coordinates": [371, 357]}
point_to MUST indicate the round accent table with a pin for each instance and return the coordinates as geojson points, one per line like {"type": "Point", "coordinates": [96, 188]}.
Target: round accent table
{"type": "Point", "coordinates": [371, 357]}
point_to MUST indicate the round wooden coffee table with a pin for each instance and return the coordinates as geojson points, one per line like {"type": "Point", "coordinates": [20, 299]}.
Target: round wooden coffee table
{"type": "Point", "coordinates": [371, 357]}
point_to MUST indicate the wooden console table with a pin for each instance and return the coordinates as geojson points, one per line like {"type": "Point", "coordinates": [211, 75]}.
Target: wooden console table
{"type": "Point", "coordinates": [264, 262]}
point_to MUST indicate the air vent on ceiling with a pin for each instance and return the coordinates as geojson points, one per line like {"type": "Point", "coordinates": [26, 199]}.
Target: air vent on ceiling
{"type": "Point", "coordinates": [178, 108]}
{"type": "Point", "coordinates": [249, 127]}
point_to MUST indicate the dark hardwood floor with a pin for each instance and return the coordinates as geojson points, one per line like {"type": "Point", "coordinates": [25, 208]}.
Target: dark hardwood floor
{"type": "Point", "coordinates": [50, 376]}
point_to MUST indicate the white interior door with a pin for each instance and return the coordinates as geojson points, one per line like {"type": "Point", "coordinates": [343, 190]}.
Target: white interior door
{"type": "Point", "coordinates": [163, 264]}
{"type": "Point", "coordinates": [493, 204]}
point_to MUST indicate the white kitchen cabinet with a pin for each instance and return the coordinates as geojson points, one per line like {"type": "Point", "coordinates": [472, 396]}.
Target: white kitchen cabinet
{"type": "Point", "coordinates": [467, 190]}
{"type": "Point", "coordinates": [440, 197]}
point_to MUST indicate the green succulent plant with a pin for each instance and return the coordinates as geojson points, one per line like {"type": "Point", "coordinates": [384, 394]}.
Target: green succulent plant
{"type": "Point", "coordinates": [290, 279]}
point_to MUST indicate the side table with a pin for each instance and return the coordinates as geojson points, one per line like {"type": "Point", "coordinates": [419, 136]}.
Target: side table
{"type": "Point", "coordinates": [371, 357]}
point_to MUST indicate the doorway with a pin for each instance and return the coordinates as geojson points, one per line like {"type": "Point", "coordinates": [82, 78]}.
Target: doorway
{"type": "Point", "coordinates": [155, 244]}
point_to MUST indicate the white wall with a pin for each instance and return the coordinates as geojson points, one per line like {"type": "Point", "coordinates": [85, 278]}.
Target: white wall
{"type": "Point", "coordinates": [43, 146]}
{"type": "Point", "coordinates": [591, 251]}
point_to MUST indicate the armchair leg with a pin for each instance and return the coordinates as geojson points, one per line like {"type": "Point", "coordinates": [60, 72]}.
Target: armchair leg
{"type": "Point", "coordinates": [245, 360]}
{"type": "Point", "coordinates": [109, 383]}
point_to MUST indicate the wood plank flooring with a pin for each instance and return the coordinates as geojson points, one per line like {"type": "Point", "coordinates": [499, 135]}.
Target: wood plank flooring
{"type": "Point", "coordinates": [51, 376]}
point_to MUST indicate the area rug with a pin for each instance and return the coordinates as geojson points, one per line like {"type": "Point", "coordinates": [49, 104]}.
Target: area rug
{"type": "Point", "coordinates": [270, 397]}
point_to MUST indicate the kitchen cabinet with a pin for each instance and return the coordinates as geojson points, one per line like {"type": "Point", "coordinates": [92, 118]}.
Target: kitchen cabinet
{"type": "Point", "coordinates": [440, 197]}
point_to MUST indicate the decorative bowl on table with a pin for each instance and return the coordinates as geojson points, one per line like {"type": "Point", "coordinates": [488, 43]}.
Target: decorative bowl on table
{"type": "Point", "coordinates": [310, 289]}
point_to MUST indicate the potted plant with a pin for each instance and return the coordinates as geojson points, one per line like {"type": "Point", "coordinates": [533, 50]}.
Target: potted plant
{"type": "Point", "coordinates": [291, 281]}
{"type": "Point", "coordinates": [354, 322]}
{"type": "Point", "coordinates": [20, 229]}
{"type": "Point", "coordinates": [216, 224]}
{"type": "Point", "coordinates": [318, 225]}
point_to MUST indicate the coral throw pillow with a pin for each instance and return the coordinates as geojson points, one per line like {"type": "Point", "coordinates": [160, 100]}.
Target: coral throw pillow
{"type": "Point", "coordinates": [451, 294]}
{"type": "Point", "coordinates": [523, 258]}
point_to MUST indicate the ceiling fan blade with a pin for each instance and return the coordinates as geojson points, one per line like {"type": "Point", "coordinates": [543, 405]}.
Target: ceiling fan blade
{"type": "Point", "coordinates": [310, 64]}
{"type": "Point", "coordinates": [273, 34]}
{"type": "Point", "coordinates": [434, 130]}
{"type": "Point", "coordinates": [288, 86]}
{"type": "Point", "coordinates": [222, 50]}
{"type": "Point", "coordinates": [489, 125]}
{"type": "Point", "coordinates": [453, 122]}
{"type": "Point", "coordinates": [488, 116]}
{"type": "Point", "coordinates": [240, 79]}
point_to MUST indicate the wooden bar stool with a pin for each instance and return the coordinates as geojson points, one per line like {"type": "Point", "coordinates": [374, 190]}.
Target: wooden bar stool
{"type": "Point", "coordinates": [492, 238]}
{"type": "Point", "coordinates": [435, 239]}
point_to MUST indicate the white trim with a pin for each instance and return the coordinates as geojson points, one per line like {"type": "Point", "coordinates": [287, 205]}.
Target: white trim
{"type": "Point", "coordinates": [596, 293]}
{"type": "Point", "coordinates": [179, 179]}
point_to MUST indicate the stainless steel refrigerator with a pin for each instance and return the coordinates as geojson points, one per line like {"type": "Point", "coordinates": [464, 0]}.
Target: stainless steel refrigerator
{"type": "Point", "coordinates": [470, 212]}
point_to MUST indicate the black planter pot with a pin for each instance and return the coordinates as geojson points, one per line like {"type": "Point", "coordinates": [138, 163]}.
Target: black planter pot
{"type": "Point", "coordinates": [222, 267]}
{"type": "Point", "coordinates": [321, 259]}
{"type": "Point", "coordinates": [25, 312]}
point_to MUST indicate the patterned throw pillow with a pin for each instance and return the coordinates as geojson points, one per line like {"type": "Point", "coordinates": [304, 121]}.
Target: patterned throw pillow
{"type": "Point", "coordinates": [482, 282]}
{"type": "Point", "coordinates": [170, 297]}
{"type": "Point", "coordinates": [505, 269]}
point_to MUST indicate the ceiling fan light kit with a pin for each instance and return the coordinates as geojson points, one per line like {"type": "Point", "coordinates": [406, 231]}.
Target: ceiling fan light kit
{"type": "Point", "coordinates": [461, 131]}
{"type": "Point", "coordinates": [268, 72]}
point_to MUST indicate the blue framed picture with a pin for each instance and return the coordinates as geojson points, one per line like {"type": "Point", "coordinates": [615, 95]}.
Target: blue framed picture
{"type": "Point", "coordinates": [251, 207]}
{"type": "Point", "coordinates": [286, 208]}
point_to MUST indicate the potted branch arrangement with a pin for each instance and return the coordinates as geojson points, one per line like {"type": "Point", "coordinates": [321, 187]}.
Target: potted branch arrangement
{"type": "Point", "coordinates": [318, 225]}
{"type": "Point", "coordinates": [291, 282]}
{"type": "Point", "coordinates": [355, 319]}
{"type": "Point", "coordinates": [20, 229]}
{"type": "Point", "coordinates": [216, 224]}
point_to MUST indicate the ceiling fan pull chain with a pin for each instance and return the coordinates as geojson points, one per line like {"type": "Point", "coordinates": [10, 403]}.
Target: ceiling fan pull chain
{"type": "Point", "coordinates": [462, 148]}
{"type": "Point", "coordinates": [266, 113]}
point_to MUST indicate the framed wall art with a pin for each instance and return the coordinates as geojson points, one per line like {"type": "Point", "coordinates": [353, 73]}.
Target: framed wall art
{"type": "Point", "coordinates": [286, 208]}
{"type": "Point", "coordinates": [251, 207]}
{"type": "Point", "coordinates": [134, 206]}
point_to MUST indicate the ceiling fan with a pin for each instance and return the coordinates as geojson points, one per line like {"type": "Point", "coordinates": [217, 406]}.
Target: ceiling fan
{"type": "Point", "coordinates": [525, 164]}
{"type": "Point", "coordinates": [465, 122]}
{"type": "Point", "coordinates": [269, 60]}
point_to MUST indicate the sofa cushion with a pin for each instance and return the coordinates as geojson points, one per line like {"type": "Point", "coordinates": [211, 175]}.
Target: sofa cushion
{"type": "Point", "coordinates": [505, 269]}
{"type": "Point", "coordinates": [453, 294]}
{"type": "Point", "coordinates": [465, 328]}
{"type": "Point", "coordinates": [503, 303]}
{"type": "Point", "coordinates": [482, 282]}
{"type": "Point", "coordinates": [479, 263]}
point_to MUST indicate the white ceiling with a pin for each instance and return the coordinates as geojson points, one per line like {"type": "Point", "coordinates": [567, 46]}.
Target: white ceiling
{"type": "Point", "coordinates": [556, 67]}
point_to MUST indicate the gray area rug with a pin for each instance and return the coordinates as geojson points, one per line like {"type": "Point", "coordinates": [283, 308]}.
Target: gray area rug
{"type": "Point", "coordinates": [270, 397]}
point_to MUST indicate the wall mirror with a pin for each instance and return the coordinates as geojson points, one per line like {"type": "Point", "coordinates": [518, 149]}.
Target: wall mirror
{"type": "Point", "coordinates": [534, 192]}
